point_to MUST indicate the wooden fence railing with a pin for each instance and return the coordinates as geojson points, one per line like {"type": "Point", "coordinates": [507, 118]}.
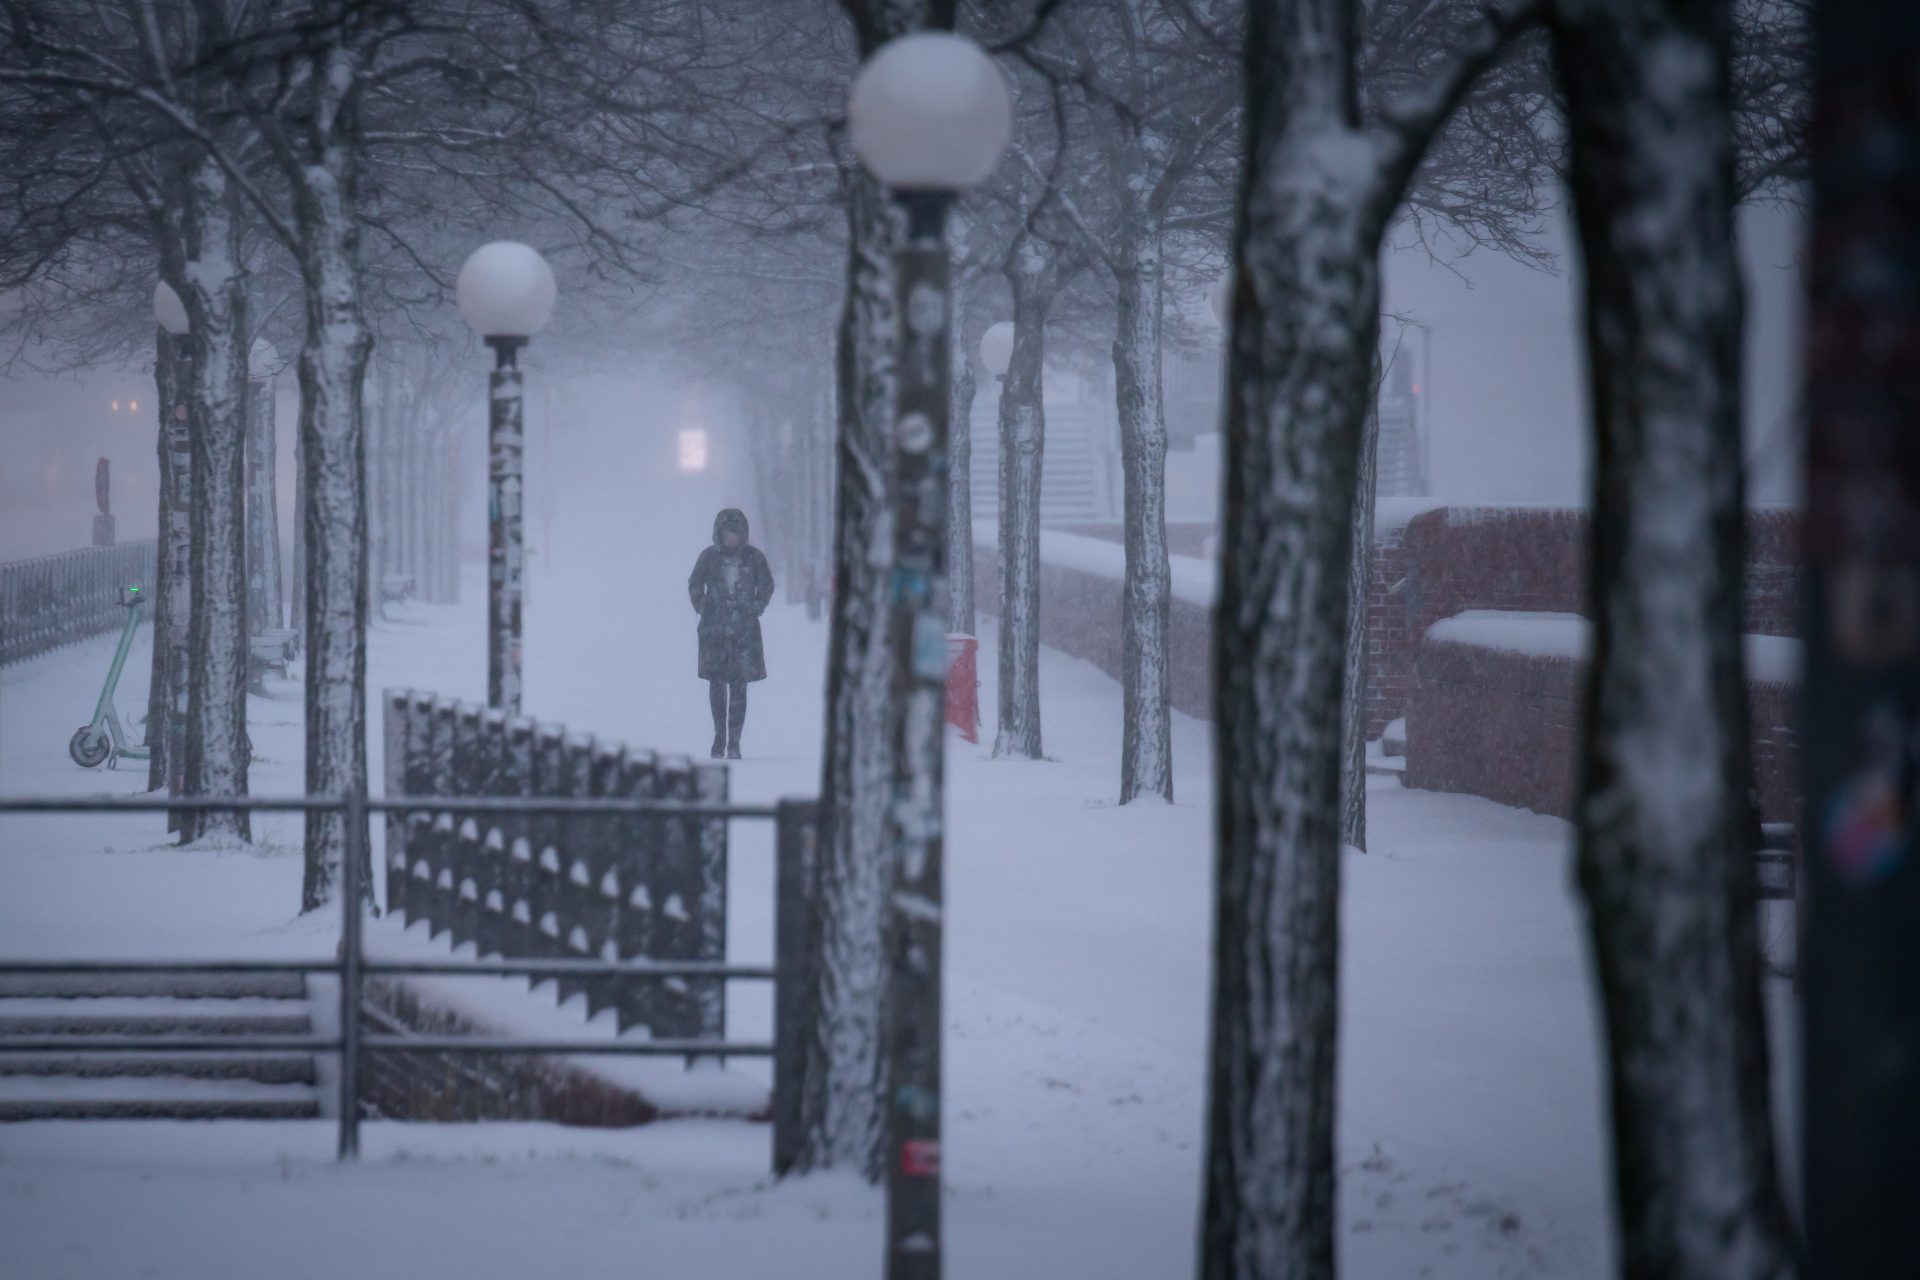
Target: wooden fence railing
{"type": "Point", "coordinates": [54, 600]}
{"type": "Point", "coordinates": [562, 886]}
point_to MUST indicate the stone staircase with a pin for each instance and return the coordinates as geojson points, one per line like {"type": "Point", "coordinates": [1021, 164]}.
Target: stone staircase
{"type": "Point", "coordinates": [1074, 484]}
{"type": "Point", "coordinates": [244, 1084]}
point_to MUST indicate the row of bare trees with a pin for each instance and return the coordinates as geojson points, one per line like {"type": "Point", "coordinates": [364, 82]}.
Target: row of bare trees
{"type": "Point", "coordinates": [208, 142]}
{"type": "Point", "coordinates": [1358, 116]}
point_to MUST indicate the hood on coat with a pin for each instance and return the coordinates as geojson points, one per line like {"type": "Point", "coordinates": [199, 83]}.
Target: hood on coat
{"type": "Point", "coordinates": [733, 518]}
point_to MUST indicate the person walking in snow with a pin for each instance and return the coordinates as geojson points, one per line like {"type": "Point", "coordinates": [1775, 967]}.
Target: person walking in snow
{"type": "Point", "coordinates": [730, 587]}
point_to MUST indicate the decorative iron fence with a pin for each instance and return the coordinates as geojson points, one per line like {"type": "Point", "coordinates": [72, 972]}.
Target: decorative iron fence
{"type": "Point", "coordinates": [554, 886]}
{"type": "Point", "coordinates": [54, 600]}
{"type": "Point", "coordinates": [791, 973]}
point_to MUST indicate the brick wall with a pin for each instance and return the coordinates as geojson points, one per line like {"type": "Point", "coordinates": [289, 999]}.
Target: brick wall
{"type": "Point", "coordinates": [1531, 559]}
{"type": "Point", "coordinates": [1505, 725]}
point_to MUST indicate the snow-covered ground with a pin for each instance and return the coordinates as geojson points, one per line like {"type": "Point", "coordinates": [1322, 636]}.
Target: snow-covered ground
{"type": "Point", "coordinates": [1470, 1131]}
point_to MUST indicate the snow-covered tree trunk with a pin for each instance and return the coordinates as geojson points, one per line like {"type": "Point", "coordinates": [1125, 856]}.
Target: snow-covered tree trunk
{"type": "Point", "coordinates": [1319, 188]}
{"type": "Point", "coordinates": [297, 573]}
{"type": "Point", "coordinates": [843, 1120]}
{"type": "Point", "coordinates": [333, 365]}
{"type": "Point", "coordinates": [1353, 693]}
{"type": "Point", "coordinates": [1146, 741]}
{"type": "Point", "coordinates": [1664, 857]}
{"type": "Point", "coordinates": [167, 705]}
{"type": "Point", "coordinates": [961, 618]}
{"type": "Point", "coordinates": [213, 287]}
{"type": "Point", "coordinates": [263, 510]}
{"type": "Point", "coordinates": [1034, 277]}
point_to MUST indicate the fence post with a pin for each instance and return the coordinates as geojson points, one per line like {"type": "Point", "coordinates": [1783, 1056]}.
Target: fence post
{"type": "Point", "coordinates": [468, 843]}
{"type": "Point", "coordinates": [355, 812]}
{"type": "Point", "coordinates": [395, 726]}
{"type": "Point", "coordinates": [710, 911]}
{"type": "Point", "coordinates": [794, 844]}
{"type": "Point", "coordinates": [576, 890]}
{"type": "Point", "coordinates": [639, 845]}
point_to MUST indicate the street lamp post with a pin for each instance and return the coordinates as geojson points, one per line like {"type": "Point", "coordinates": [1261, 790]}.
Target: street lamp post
{"type": "Point", "coordinates": [506, 293]}
{"type": "Point", "coordinates": [929, 116]}
{"type": "Point", "coordinates": [173, 614]}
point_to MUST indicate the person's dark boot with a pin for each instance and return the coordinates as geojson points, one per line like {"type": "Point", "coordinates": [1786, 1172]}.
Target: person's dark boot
{"type": "Point", "coordinates": [720, 747]}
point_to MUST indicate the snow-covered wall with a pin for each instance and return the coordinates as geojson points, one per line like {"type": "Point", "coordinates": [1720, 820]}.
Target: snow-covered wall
{"type": "Point", "coordinates": [1435, 562]}
{"type": "Point", "coordinates": [1495, 711]}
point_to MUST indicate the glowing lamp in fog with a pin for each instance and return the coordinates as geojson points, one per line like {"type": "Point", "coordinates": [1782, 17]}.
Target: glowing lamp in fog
{"type": "Point", "coordinates": [693, 449]}
{"type": "Point", "coordinates": [168, 310]}
{"type": "Point", "coordinates": [930, 112]}
{"type": "Point", "coordinates": [506, 290]}
{"type": "Point", "coordinates": [996, 348]}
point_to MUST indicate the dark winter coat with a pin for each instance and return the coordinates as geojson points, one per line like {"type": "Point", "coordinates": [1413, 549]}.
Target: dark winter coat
{"type": "Point", "coordinates": [730, 590]}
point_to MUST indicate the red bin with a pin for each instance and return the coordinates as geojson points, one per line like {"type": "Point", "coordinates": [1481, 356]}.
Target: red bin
{"type": "Point", "coordinates": [963, 686]}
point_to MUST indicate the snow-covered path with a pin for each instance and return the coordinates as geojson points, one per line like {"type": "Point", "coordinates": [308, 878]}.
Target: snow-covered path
{"type": "Point", "coordinates": [1079, 935]}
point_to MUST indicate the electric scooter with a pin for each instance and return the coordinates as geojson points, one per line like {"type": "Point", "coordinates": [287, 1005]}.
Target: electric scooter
{"type": "Point", "coordinates": [104, 739]}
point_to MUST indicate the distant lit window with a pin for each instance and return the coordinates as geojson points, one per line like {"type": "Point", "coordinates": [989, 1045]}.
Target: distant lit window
{"type": "Point", "coordinates": [133, 406]}
{"type": "Point", "coordinates": [693, 449]}
{"type": "Point", "coordinates": [116, 406]}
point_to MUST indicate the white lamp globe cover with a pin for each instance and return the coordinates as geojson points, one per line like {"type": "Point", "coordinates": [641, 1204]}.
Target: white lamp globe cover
{"type": "Point", "coordinates": [996, 348]}
{"type": "Point", "coordinates": [168, 309]}
{"type": "Point", "coordinates": [930, 111]}
{"type": "Point", "coordinates": [1220, 298]}
{"type": "Point", "coordinates": [264, 360]}
{"type": "Point", "coordinates": [506, 290]}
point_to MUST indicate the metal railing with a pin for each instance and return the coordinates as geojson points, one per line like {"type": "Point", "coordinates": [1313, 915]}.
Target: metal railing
{"type": "Point", "coordinates": [50, 601]}
{"type": "Point", "coordinates": [796, 833]}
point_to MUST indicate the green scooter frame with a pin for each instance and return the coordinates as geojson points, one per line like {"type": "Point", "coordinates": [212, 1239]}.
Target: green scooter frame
{"type": "Point", "coordinates": [103, 740]}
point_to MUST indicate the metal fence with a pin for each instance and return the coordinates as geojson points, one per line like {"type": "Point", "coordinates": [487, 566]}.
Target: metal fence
{"type": "Point", "coordinates": [791, 973]}
{"type": "Point", "coordinates": [54, 600]}
{"type": "Point", "coordinates": [547, 886]}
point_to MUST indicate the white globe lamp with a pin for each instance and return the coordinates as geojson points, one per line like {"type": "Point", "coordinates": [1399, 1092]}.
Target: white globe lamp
{"type": "Point", "coordinates": [996, 348]}
{"type": "Point", "coordinates": [264, 360]}
{"type": "Point", "coordinates": [168, 310]}
{"type": "Point", "coordinates": [930, 112]}
{"type": "Point", "coordinates": [506, 292]}
{"type": "Point", "coordinates": [1220, 298]}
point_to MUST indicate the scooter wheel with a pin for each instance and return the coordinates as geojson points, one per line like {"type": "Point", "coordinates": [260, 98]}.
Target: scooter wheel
{"type": "Point", "coordinates": [89, 747]}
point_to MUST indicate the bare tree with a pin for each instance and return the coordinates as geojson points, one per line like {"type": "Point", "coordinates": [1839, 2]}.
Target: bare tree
{"type": "Point", "coordinates": [1664, 848]}
{"type": "Point", "coordinates": [1321, 185]}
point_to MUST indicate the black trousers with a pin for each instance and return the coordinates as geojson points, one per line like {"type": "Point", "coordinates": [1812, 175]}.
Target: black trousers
{"type": "Point", "coordinates": [728, 699]}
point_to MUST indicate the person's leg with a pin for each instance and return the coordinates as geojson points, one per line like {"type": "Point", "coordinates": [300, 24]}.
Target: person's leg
{"type": "Point", "coordinates": [717, 703]}
{"type": "Point", "coordinates": [736, 716]}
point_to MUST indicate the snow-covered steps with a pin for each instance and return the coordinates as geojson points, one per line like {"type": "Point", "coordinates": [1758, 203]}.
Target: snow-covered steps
{"type": "Point", "coordinates": [59, 1083]}
{"type": "Point", "coordinates": [152, 1098]}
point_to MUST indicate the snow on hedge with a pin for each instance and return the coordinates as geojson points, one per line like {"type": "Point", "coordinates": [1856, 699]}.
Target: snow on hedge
{"type": "Point", "coordinates": [1770, 659]}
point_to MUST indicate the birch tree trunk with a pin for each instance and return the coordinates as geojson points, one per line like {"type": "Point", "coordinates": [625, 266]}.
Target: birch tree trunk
{"type": "Point", "coordinates": [1319, 188]}
{"type": "Point", "coordinates": [263, 510]}
{"type": "Point", "coordinates": [1146, 740]}
{"type": "Point", "coordinates": [167, 705]}
{"type": "Point", "coordinates": [1353, 694]}
{"type": "Point", "coordinates": [1034, 277]}
{"type": "Point", "coordinates": [214, 291]}
{"type": "Point", "coordinates": [961, 618]}
{"type": "Point", "coordinates": [1664, 860]}
{"type": "Point", "coordinates": [842, 1071]}
{"type": "Point", "coordinates": [333, 366]}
